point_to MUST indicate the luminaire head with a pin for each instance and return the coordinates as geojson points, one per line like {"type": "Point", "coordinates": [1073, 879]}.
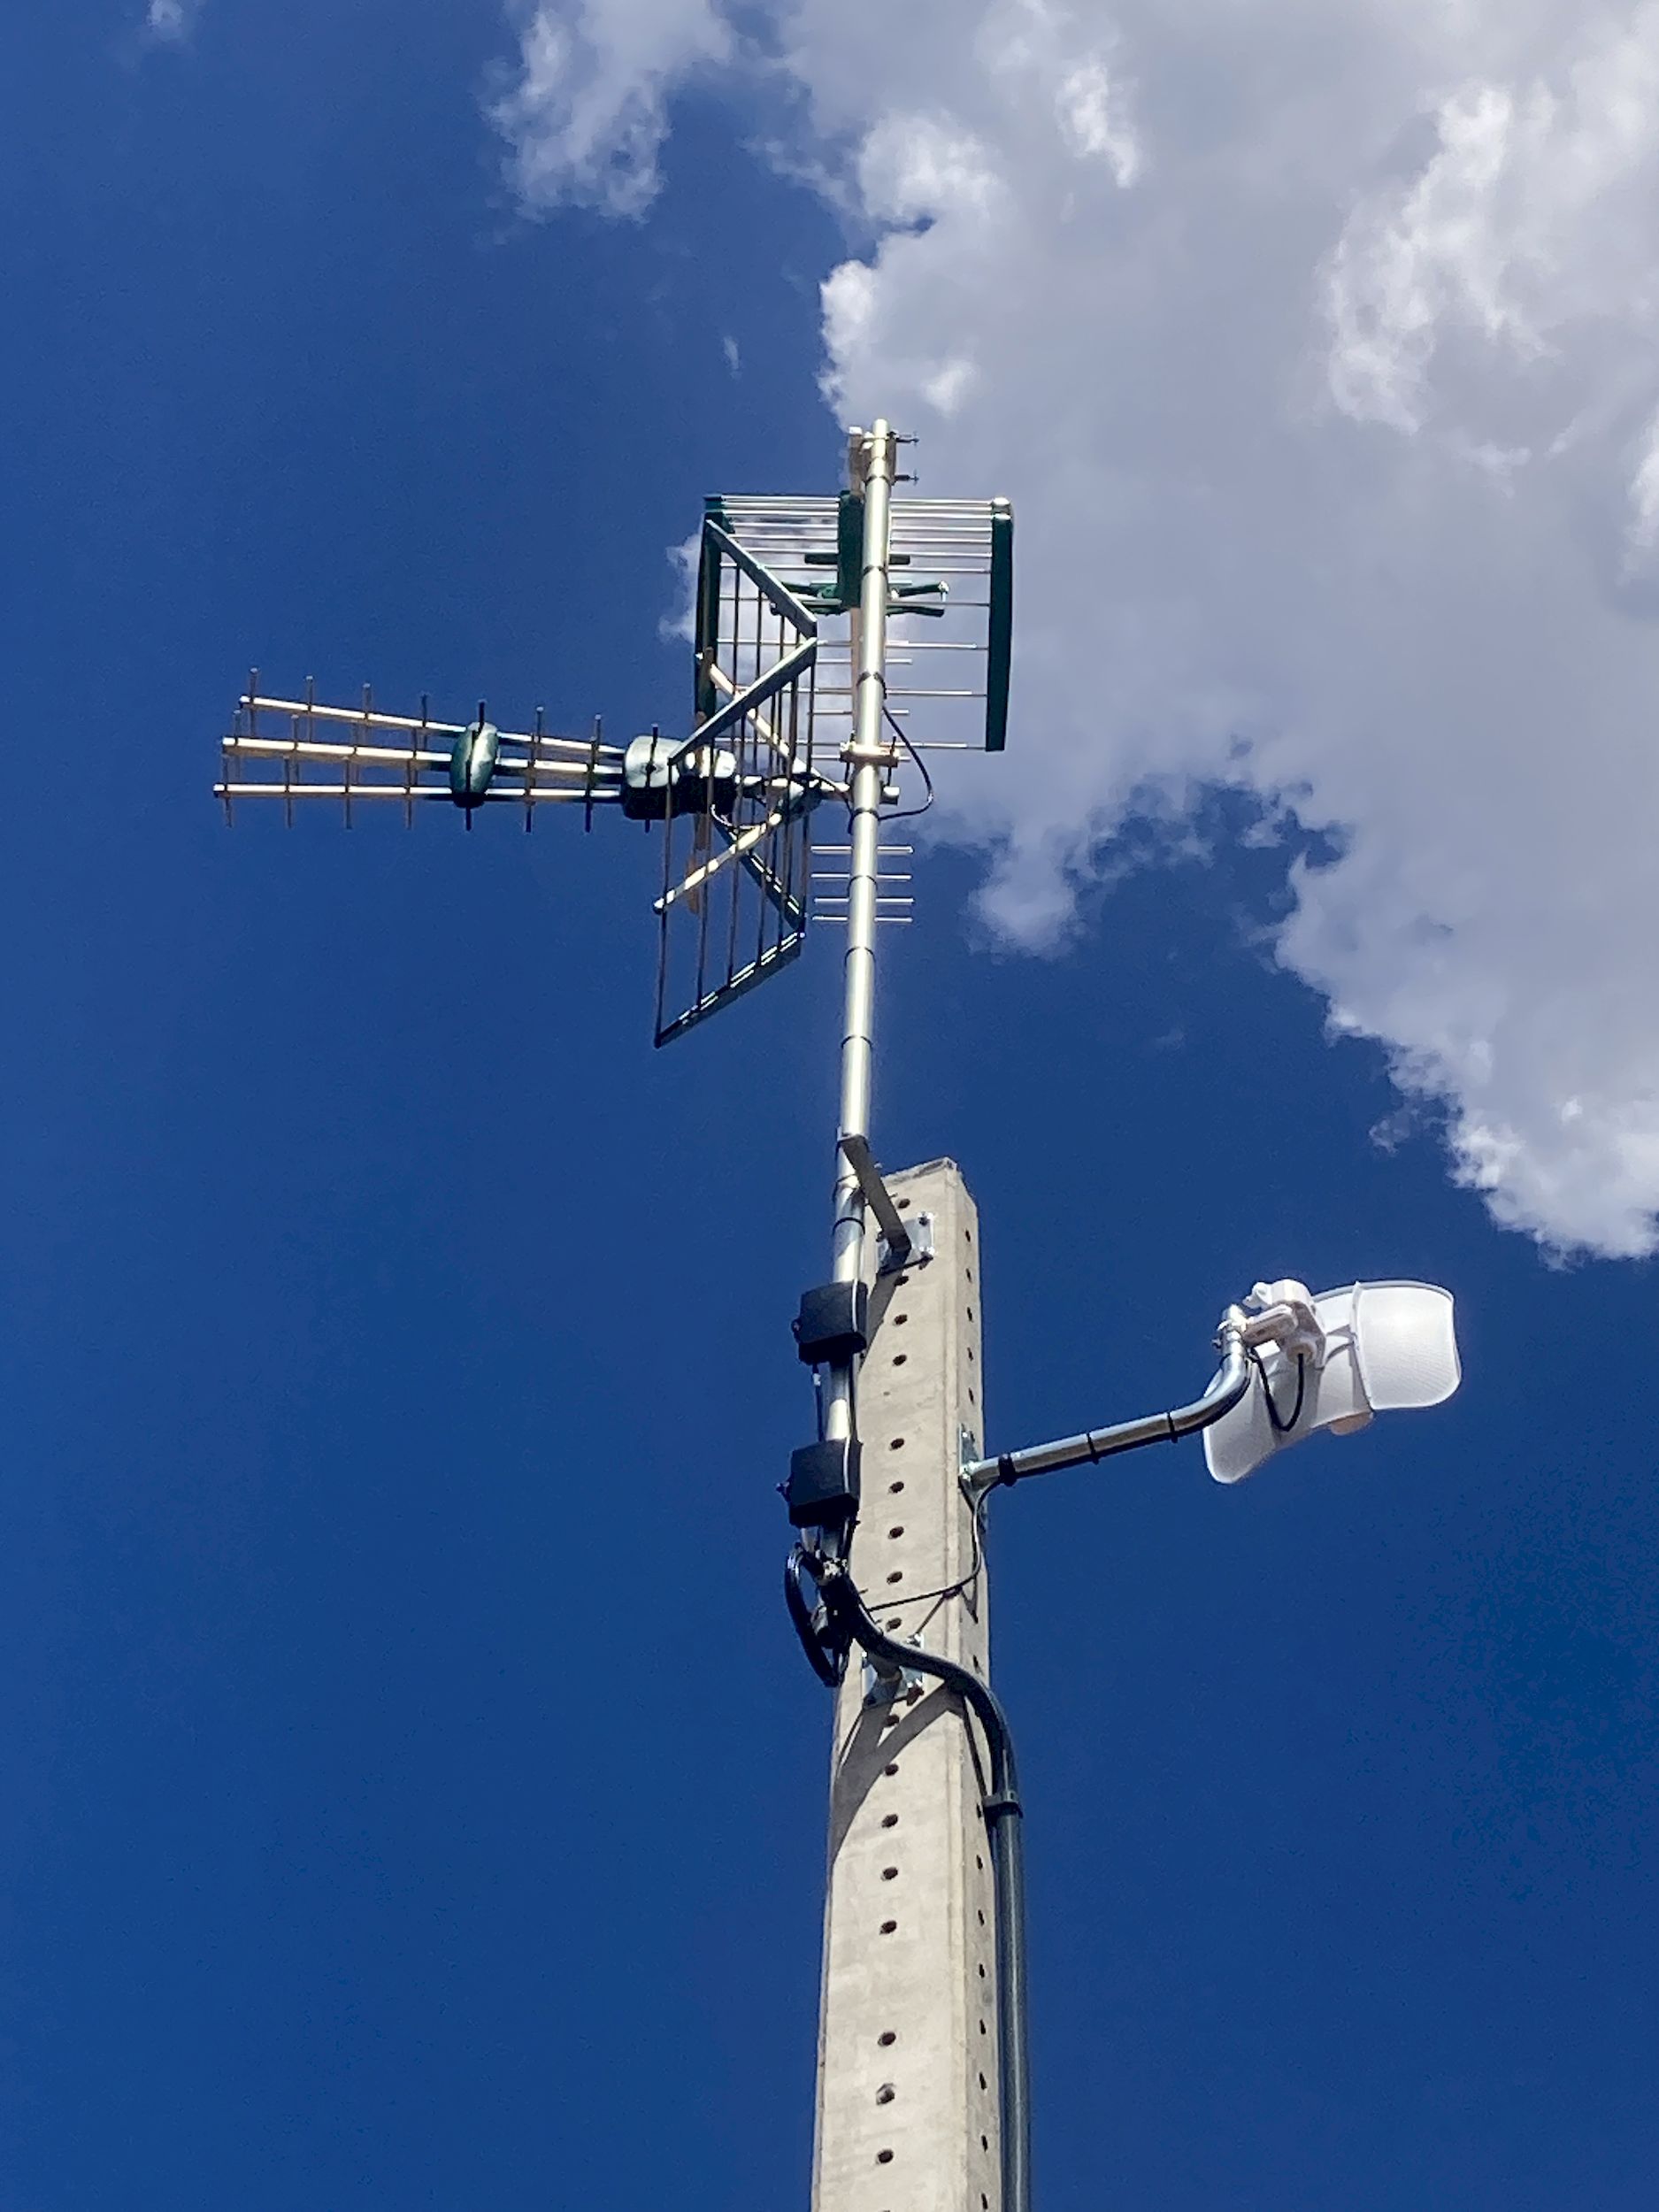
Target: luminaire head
{"type": "Point", "coordinates": [1330, 1361]}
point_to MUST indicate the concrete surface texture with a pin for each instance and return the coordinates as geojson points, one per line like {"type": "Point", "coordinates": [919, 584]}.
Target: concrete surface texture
{"type": "Point", "coordinates": [907, 2108]}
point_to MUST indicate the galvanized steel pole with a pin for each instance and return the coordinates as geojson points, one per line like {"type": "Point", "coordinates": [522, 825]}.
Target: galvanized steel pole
{"type": "Point", "coordinates": [868, 756]}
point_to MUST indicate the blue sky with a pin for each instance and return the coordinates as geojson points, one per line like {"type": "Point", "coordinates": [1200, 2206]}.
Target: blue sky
{"type": "Point", "coordinates": [413, 1797]}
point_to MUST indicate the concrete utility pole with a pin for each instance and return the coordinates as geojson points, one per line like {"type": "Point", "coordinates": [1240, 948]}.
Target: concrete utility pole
{"type": "Point", "coordinates": [907, 2075]}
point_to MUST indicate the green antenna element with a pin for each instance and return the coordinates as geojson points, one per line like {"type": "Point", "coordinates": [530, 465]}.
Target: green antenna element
{"type": "Point", "coordinates": [999, 639]}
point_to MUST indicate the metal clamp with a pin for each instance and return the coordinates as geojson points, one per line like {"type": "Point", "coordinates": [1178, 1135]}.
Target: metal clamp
{"type": "Point", "coordinates": [921, 1229]}
{"type": "Point", "coordinates": [886, 1683]}
{"type": "Point", "coordinates": [899, 1245]}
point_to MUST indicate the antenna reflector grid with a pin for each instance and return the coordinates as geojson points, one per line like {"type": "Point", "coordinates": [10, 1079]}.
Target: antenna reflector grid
{"type": "Point", "coordinates": [950, 622]}
{"type": "Point", "coordinates": [736, 871]}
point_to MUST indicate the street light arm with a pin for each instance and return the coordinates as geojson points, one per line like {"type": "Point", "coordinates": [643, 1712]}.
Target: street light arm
{"type": "Point", "coordinates": [1230, 1385]}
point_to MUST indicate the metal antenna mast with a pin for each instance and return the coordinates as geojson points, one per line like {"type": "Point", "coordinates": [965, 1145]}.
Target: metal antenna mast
{"type": "Point", "coordinates": [923, 2100]}
{"type": "Point", "coordinates": [869, 759]}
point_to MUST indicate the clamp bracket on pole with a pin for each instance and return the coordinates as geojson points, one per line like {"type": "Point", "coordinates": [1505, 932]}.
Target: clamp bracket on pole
{"type": "Point", "coordinates": [886, 1682]}
{"type": "Point", "coordinates": [899, 1248]}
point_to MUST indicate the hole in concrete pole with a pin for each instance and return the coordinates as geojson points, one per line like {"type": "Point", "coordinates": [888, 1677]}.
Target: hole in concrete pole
{"type": "Point", "coordinates": [886, 2094]}
{"type": "Point", "coordinates": [985, 2142]}
{"type": "Point", "coordinates": [904, 1205]}
{"type": "Point", "coordinates": [897, 1444]}
{"type": "Point", "coordinates": [982, 1973]}
{"type": "Point", "coordinates": [982, 2027]}
{"type": "Point", "coordinates": [891, 1820]}
{"type": "Point", "coordinates": [892, 1532]}
{"type": "Point", "coordinates": [889, 1873]}
{"type": "Point", "coordinates": [887, 2038]}
{"type": "Point", "coordinates": [896, 1576]}
{"type": "Point", "coordinates": [899, 1320]}
{"type": "Point", "coordinates": [893, 1488]}
{"type": "Point", "coordinates": [899, 1358]}
{"type": "Point", "coordinates": [983, 2083]}
{"type": "Point", "coordinates": [969, 1313]}
{"type": "Point", "coordinates": [894, 1623]}
{"type": "Point", "coordinates": [893, 1769]}
{"type": "Point", "coordinates": [884, 2158]}
{"type": "Point", "coordinates": [889, 1927]}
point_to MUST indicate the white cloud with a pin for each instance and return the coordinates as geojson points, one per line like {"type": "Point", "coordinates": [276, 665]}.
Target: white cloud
{"type": "Point", "coordinates": [680, 622]}
{"type": "Point", "coordinates": [584, 119]}
{"type": "Point", "coordinates": [1319, 349]}
{"type": "Point", "coordinates": [170, 19]}
{"type": "Point", "coordinates": [1089, 109]}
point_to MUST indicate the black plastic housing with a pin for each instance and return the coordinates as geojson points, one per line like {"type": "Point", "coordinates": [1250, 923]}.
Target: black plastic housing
{"type": "Point", "coordinates": [832, 1326]}
{"type": "Point", "coordinates": [823, 1487]}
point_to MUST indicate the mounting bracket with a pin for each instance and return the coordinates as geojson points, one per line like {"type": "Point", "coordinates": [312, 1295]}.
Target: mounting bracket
{"type": "Point", "coordinates": [899, 1246]}
{"type": "Point", "coordinates": [884, 1684]}
{"type": "Point", "coordinates": [921, 1232]}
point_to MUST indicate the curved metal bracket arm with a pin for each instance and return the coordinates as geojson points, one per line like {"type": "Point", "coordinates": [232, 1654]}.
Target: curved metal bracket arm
{"type": "Point", "coordinates": [1230, 1385]}
{"type": "Point", "coordinates": [855, 1151]}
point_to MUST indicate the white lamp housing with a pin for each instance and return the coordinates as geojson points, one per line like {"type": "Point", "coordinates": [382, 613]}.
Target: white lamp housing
{"type": "Point", "coordinates": [1331, 1363]}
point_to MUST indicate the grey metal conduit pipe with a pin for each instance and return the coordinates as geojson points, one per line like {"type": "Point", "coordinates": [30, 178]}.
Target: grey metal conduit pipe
{"type": "Point", "coordinates": [1004, 1822]}
{"type": "Point", "coordinates": [1230, 1385]}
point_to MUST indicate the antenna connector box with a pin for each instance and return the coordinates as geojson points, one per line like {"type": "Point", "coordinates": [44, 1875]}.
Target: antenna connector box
{"type": "Point", "coordinates": [832, 1326]}
{"type": "Point", "coordinates": [822, 1488]}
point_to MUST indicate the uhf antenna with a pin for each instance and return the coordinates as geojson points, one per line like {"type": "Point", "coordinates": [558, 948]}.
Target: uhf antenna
{"type": "Point", "coordinates": [839, 642]}
{"type": "Point", "coordinates": [800, 697]}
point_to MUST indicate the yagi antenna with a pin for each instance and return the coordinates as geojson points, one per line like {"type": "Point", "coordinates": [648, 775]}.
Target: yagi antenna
{"type": "Point", "coordinates": [800, 697]}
